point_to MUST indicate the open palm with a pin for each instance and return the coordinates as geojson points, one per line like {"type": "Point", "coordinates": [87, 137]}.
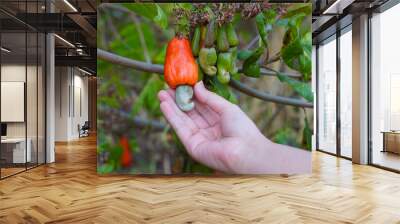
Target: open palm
{"type": "Point", "coordinates": [213, 133]}
{"type": "Point", "coordinates": [219, 134]}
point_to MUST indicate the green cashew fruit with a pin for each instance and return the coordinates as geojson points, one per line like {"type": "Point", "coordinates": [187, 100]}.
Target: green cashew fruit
{"type": "Point", "coordinates": [234, 69]}
{"type": "Point", "coordinates": [224, 65]}
{"type": "Point", "coordinates": [210, 34]}
{"type": "Point", "coordinates": [203, 35]}
{"type": "Point", "coordinates": [233, 39]}
{"type": "Point", "coordinates": [201, 74]}
{"type": "Point", "coordinates": [207, 60]}
{"type": "Point", "coordinates": [196, 41]}
{"type": "Point", "coordinates": [222, 39]}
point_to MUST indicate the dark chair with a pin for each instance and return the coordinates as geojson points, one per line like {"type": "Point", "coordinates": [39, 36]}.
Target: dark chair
{"type": "Point", "coordinates": [84, 130]}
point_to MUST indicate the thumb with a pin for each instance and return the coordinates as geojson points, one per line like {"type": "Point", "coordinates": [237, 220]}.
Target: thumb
{"type": "Point", "coordinates": [215, 102]}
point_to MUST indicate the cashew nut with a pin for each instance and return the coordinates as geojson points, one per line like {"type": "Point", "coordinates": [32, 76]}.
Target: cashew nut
{"type": "Point", "coordinates": [183, 97]}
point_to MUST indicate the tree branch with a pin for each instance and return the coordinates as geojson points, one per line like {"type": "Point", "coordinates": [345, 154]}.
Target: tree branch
{"type": "Point", "coordinates": [268, 97]}
{"type": "Point", "coordinates": [269, 72]}
{"type": "Point", "coordinates": [154, 68]}
{"type": "Point", "coordinates": [138, 65]}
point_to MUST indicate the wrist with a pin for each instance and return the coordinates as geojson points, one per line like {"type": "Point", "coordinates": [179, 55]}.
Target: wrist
{"type": "Point", "coordinates": [283, 159]}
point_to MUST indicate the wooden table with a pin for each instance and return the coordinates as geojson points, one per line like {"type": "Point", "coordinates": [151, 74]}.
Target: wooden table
{"type": "Point", "coordinates": [391, 141]}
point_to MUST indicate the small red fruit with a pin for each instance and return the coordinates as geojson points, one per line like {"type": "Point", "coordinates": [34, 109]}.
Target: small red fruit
{"type": "Point", "coordinates": [127, 156]}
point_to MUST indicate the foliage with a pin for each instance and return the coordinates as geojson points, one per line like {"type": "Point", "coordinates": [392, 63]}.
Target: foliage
{"type": "Point", "coordinates": [301, 88]}
{"type": "Point", "coordinates": [148, 97]}
{"type": "Point", "coordinates": [297, 43]}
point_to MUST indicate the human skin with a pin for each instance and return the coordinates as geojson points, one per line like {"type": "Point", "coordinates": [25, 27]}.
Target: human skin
{"type": "Point", "coordinates": [220, 135]}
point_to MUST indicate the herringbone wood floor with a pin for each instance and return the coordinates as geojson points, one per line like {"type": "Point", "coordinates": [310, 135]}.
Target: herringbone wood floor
{"type": "Point", "coordinates": [70, 191]}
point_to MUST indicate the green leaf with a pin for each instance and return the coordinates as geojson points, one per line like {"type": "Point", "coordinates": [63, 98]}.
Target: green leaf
{"type": "Point", "coordinates": [223, 90]}
{"type": "Point", "coordinates": [114, 156]}
{"type": "Point", "coordinates": [294, 18]}
{"type": "Point", "coordinates": [159, 58]}
{"type": "Point", "coordinates": [161, 18]}
{"type": "Point", "coordinates": [297, 54]}
{"type": "Point", "coordinates": [307, 135]}
{"type": "Point", "coordinates": [244, 54]}
{"type": "Point", "coordinates": [134, 145]}
{"type": "Point", "coordinates": [130, 44]}
{"type": "Point", "coordinates": [296, 9]}
{"type": "Point", "coordinates": [286, 136]}
{"type": "Point", "coordinates": [108, 101]}
{"type": "Point", "coordinates": [102, 147]}
{"type": "Point", "coordinates": [148, 97]}
{"type": "Point", "coordinates": [105, 168]}
{"type": "Point", "coordinates": [151, 11]}
{"type": "Point", "coordinates": [302, 88]}
{"type": "Point", "coordinates": [200, 168]}
{"type": "Point", "coordinates": [270, 16]}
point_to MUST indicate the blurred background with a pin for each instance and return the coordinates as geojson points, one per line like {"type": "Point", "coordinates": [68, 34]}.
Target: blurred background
{"type": "Point", "coordinates": [133, 136]}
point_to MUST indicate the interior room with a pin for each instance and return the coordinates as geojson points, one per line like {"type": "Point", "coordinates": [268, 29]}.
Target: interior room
{"type": "Point", "coordinates": [48, 90]}
{"type": "Point", "coordinates": [22, 98]}
{"type": "Point", "coordinates": [72, 95]}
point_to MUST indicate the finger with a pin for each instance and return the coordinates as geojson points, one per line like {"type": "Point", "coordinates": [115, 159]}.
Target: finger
{"type": "Point", "coordinates": [176, 122]}
{"type": "Point", "coordinates": [215, 102]}
{"type": "Point", "coordinates": [171, 92]}
{"type": "Point", "coordinates": [166, 97]}
{"type": "Point", "coordinates": [162, 95]}
{"type": "Point", "coordinates": [209, 115]}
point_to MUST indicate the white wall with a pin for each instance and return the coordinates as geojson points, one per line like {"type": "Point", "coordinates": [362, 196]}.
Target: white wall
{"type": "Point", "coordinates": [33, 127]}
{"type": "Point", "coordinates": [71, 93]}
{"type": "Point", "coordinates": [12, 73]}
{"type": "Point", "coordinates": [61, 103]}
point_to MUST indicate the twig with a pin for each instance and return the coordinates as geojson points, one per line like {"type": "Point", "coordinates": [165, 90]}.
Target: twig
{"type": "Point", "coordinates": [269, 72]}
{"type": "Point", "coordinates": [268, 69]}
{"type": "Point", "coordinates": [252, 42]}
{"type": "Point", "coordinates": [274, 58]}
{"type": "Point", "coordinates": [155, 68]}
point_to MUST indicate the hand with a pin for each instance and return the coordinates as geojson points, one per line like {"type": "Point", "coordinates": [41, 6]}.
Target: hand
{"type": "Point", "coordinates": [219, 134]}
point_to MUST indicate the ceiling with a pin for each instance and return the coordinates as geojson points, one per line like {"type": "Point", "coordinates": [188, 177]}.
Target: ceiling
{"type": "Point", "coordinates": [330, 15]}
{"type": "Point", "coordinates": [74, 21]}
